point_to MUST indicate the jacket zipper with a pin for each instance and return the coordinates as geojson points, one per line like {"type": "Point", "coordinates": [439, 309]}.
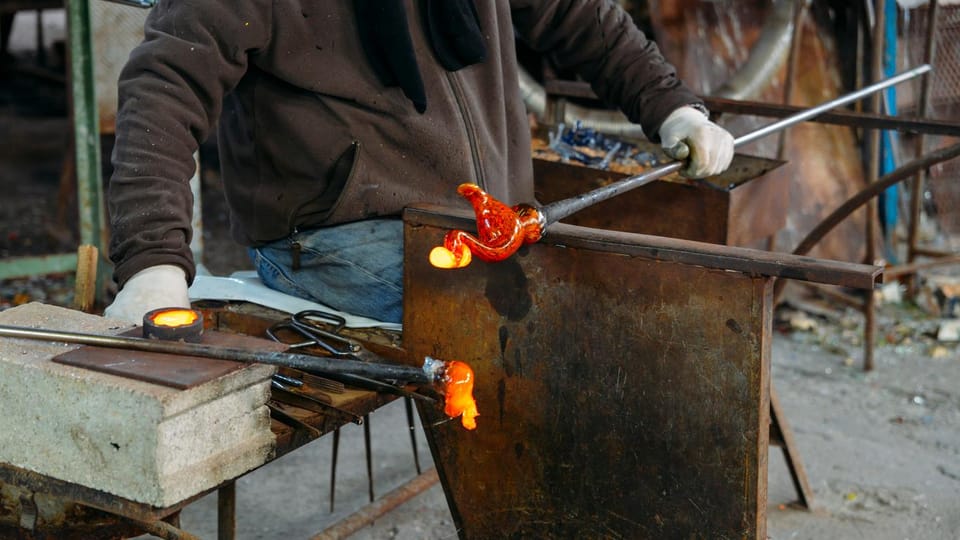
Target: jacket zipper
{"type": "Point", "coordinates": [468, 125]}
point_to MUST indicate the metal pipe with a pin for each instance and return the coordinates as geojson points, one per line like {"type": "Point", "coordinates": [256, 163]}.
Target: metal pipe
{"type": "Point", "coordinates": [916, 188]}
{"type": "Point", "coordinates": [766, 56]}
{"type": "Point", "coordinates": [370, 513]}
{"type": "Point", "coordinates": [314, 364]}
{"type": "Point", "coordinates": [873, 172]}
{"type": "Point", "coordinates": [841, 117]}
{"type": "Point", "coordinates": [162, 529]}
{"type": "Point", "coordinates": [553, 212]}
{"type": "Point", "coordinates": [135, 3]}
{"type": "Point", "coordinates": [227, 511]}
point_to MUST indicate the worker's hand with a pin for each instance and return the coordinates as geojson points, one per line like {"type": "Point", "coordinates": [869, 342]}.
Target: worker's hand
{"type": "Point", "coordinates": [159, 286]}
{"type": "Point", "coordinates": [688, 133]}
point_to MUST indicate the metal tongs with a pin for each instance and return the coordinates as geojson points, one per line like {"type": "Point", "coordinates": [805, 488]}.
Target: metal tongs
{"type": "Point", "coordinates": [322, 329]}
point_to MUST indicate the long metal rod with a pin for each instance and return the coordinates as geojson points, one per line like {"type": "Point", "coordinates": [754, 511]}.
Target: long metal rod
{"type": "Point", "coordinates": [923, 108]}
{"type": "Point", "coordinates": [370, 513]}
{"type": "Point", "coordinates": [555, 211]}
{"type": "Point", "coordinates": [227, 511]}
{"type": "Point", "coordinates": [312, 364]}
{"type": "Point", "coordinates": [840, 117]}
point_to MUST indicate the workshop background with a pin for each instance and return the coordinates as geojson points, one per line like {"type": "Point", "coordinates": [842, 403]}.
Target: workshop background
{"type": "Point", "coordinates": [874, 412]}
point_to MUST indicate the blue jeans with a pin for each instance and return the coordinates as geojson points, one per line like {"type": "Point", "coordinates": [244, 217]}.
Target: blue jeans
{"type": "Point", "coordinates": [355, 267]}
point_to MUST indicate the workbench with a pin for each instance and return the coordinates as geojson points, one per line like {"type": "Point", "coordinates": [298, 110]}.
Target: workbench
{"type": "Point", "coordinates": [622, 381]}
{"type": "Point", "coordinates": [41, 506]}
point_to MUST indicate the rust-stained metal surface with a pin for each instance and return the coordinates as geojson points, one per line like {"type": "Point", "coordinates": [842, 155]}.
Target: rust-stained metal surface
{"type": "Point", "coordinates": [823, 161]}
{"type": "Point", "coordinates": [620, 396]}
{"type": "Point", "coordinates": [665, 207]}
{"type": "Point", "coordinates": [175, 371]}
{"type": "Point", "coordinates": [661, 208]}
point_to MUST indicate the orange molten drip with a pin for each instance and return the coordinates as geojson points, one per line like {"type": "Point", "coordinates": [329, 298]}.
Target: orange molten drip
{"type": "Point", "coordinates": [458, 393]}
{"type": "Point", "coordinates": [175, 317]}
{"type": "Point", "coordinates": [501, 230]}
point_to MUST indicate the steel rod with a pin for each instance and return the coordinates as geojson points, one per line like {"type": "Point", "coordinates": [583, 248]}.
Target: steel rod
{"type": "Point", "coordinates": [370, 513]}
{"type": "Point", "coordinates": [839, 117]}
{"type": "Point", "coordinates": [312, 364]}
{"type": "Point", "coordinates": [555, 211]}
{"type": "Point", "coordinates": [227, 511]}
{"type": "Point", "coordinates": [923, 108]}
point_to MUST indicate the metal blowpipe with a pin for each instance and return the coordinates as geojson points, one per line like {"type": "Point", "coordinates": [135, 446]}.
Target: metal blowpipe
{"type": "Point", "coordinates": [556, 211]}
{"type": "Point", "coordinates": [313, 364]}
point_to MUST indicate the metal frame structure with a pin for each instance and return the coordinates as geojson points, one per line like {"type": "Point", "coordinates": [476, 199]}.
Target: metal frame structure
{"type": "Point", "coordinates": [915, 170]}
{"type": "Point", "coordinates": [86, 136]}
{"type": "Point", "coordinates": [590, 426]}
{"type": "Point", "coordinates": [872, 121]}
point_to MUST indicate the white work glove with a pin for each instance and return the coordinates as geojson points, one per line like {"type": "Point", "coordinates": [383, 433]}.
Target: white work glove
{"type": "Point", "coordinates": [160, 286]}
{"type": "Point", "coordinates": [688, 133]}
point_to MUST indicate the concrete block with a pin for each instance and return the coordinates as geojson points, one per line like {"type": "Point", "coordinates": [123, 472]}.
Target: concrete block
{"type": "Point", "coordinates": [144, 442]}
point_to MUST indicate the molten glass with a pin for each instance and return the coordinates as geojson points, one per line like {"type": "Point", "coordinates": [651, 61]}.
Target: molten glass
{"type": "Point", "coordinates": [501, 230]}
{"type": "Point", "coordinates": [441, 257]}
{"type": "Point", "coordinates": [175, 317]}
{"type": "Point", "coordinates": [458, 393]}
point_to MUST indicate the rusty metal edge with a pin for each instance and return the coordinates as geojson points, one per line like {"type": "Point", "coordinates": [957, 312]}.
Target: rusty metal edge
{"type": "Point", "coordinates": [749, 261]}
{"type": "Point", "coordinates": [379, 508]}
{"type": "Point", "coordinates": [93, 498]}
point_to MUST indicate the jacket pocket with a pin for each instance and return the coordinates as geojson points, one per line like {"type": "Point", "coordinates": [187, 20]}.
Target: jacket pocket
{"type": "Point", "coordinates": [344, 173]}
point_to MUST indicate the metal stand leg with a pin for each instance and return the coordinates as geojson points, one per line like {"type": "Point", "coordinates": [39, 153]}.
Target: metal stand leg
{"type": "Point", "coordinates": [781, 435]}
{"type": "Point", "coordinates": [227, 512]}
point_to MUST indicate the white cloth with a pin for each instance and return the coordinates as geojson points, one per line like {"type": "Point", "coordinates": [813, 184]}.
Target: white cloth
{"type": "Point", "coordinates": [152, 288]}
{"type": "Point", "coordinates": [247, 287]}
{"type": "Point", "coordinates": [688, 133]}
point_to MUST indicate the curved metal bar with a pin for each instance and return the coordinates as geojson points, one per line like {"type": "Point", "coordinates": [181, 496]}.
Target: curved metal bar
{"type": "Point", "coordinates": [864, 196]}
{"type": "Point", "coordinates": [871, 191]}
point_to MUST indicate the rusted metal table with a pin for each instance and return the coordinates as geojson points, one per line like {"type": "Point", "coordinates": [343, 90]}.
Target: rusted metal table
{"type": "Point", "coordinates": [622, 380]}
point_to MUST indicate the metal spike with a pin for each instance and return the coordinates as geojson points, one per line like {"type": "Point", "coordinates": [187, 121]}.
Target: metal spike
{"type": "Point", "coordinates": [413, 432]}
{"type": "Point", "coordinates": [367, 448]}
{"type": "Point", "coordinates": [333, 467]}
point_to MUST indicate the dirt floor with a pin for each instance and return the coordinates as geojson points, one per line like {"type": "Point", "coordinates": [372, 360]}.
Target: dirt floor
{"type": "Point", "coordinates": [881, 449]}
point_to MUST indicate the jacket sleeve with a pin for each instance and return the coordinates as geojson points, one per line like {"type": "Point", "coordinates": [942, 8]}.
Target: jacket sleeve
{"type": "Point", "coordinates": [599, 40]}
{"type": "Point", "coordinates": [171, 93]}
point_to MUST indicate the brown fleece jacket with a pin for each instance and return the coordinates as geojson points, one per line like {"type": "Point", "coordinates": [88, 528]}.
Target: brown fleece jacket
{"type": "Point", "coordinates": [309, 137]}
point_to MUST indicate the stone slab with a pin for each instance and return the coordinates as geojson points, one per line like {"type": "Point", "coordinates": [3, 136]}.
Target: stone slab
{"type": "Point", "coordinates": [141, 441]}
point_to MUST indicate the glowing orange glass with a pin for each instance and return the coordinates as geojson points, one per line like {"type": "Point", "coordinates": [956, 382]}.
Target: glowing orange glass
{"type": "Point", "coordinates": [175, 317]}
{"type": "Point", "coordinates": [501, 230]}
{"type": "Point", "coordinates": [458, 393]}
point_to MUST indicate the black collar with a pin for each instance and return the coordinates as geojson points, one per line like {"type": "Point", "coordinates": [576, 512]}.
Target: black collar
{"type": "Point", "coordinates": [452, 28]}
